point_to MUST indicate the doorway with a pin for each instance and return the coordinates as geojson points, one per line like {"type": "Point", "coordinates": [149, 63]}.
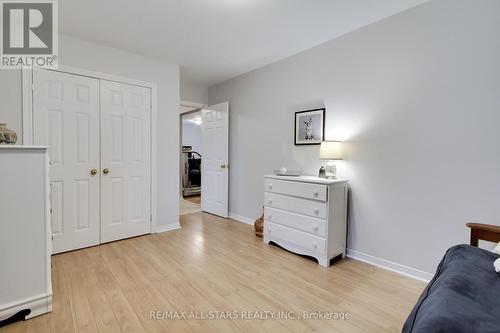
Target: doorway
{"type": "Point", "coordinates": [204, 159]}
{"type": "Point", "coordinates": [191, 162]}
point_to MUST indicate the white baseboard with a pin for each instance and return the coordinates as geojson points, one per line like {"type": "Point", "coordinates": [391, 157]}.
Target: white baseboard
{"type": "Point", "coordinates": [168, 227]}
{"type": "Point", "coordinates": [389, 265]}
{"type": "Point", "coordinates": [369, 259]}
{"type": "Point", "coordinates": [240, 218]}
{"type": "Point", "coordinates": [38, 305]}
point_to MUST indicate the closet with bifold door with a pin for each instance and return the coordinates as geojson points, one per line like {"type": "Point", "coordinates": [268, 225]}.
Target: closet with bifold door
{"type": "Point", "coordinates": [99, 134]}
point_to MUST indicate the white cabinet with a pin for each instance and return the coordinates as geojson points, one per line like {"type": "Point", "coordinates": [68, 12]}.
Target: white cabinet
{"type": "Point", "coordinates": [25, 240]}
{"type": "Point", "coordinates": [306, 215]}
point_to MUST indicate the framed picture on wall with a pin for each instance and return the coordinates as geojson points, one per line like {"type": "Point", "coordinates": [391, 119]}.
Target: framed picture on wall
{"type": "Point", "coordinates": [309, 127]}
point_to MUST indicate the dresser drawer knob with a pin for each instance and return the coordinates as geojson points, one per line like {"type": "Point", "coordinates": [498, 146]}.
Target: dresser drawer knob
{"type": "Point", "coordinates": [316, 211]}
{"type": "Point", "coordinates": [315, 228]}
{"type": "Point", "coordinates": [270, 217]}
{"type": "Point", "coordinates": [315, 246]}
{"type": "Point", "coordinates": [269, 202]}
{"type": "Point", "coordinates": [268, 230]}
{"type": "Point", "coordinates": [316, 193]}
{"type": "Point", "coordinates": [270, 186]}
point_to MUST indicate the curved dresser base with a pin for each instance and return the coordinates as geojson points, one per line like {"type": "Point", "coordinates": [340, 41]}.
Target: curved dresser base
{"type": "Point", "coordinates": [322, 260]}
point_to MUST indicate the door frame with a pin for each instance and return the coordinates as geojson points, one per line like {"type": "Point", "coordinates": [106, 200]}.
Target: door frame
{"type": "Point", "coordinates": [27, 115]}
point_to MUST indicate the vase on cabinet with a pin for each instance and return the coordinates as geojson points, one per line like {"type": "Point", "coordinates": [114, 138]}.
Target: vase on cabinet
{"type": "Point", "coordinates": [7, 136]}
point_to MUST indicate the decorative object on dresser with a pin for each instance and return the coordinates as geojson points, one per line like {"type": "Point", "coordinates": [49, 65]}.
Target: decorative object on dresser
{"type": "Point", "coordinates": [309, 127]}
{"type": "Point", "coordinates": [331, 150]}
{"type": "Point", "coordinates": [283, 171]}
{"type": "Point", "coordinates": [259, 226]}
{"type": "Point", "coordinates": [25, 237]}
{"type": "Point", "coordinates": [306, 215]}
{"type": "Point", "coordinates": [7, 136]}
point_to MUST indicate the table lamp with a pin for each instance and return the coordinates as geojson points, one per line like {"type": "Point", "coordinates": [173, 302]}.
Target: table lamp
{"type": "Point", "coordinates": [331, 151]}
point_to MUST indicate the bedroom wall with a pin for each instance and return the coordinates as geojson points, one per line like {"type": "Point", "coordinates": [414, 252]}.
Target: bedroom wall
{"type": "Point", "coordinates": [193, 92]}
{"type": "Point", "coordinates": [415, 98]}
{"type": "Point", "coordinates": [86, 55]}
{"type": "Point", "coordinates": [191, 136]}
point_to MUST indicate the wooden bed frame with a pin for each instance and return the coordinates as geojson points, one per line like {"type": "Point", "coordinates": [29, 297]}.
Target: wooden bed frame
{"type": "Point", "coordinates": [485, 232]}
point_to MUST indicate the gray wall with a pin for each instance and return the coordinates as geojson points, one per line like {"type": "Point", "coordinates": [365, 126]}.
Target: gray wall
{"type": "Point", "coordinates": [191, 136]}
{"type": "Point", "coordinates": [416, 98]}
{"type": "Point", "coordinates": [95, 57]}
{"type": "Point", "coordinates": [193, 92]}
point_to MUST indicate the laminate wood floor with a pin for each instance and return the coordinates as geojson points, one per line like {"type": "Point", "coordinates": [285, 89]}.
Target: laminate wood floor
{"type": "Point", "coordinates": [194, 199]}
{"type": "Point", "coordinates": [209, 267]}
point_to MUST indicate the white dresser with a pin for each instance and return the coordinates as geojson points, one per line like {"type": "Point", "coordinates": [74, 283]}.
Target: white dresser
{"type": "Point", "coordinates": [25, 238]}
{"type": "Point", "coordinates": [306, 215]}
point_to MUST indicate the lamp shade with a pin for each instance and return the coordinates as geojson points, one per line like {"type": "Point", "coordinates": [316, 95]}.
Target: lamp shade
{"type": "Point", "coordinates": [331, 150]}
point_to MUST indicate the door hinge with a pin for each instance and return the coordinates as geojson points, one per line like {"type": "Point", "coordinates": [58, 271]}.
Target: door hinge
{"type": "Point", "coordinates": [151, 218]}
{"type": "Point", "coordinates": [33, 87]}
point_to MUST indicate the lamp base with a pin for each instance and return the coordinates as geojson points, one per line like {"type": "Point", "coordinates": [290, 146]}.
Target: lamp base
{"type": "Point", "coordinates": [331, 170]}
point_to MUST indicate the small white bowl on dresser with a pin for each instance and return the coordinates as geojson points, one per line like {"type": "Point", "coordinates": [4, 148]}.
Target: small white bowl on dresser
{"type": "Point", "coordinates": [306, 215]}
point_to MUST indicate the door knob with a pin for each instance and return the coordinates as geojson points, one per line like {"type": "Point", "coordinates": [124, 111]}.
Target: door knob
{"type": "Point", "coordinates": [105, 171]}
{"type": "Point", "coordinates": [93, 172]}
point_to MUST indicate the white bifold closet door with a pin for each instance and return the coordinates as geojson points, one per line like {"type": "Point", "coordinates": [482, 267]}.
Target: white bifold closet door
{"type": "Point", "coordinates": [99, 137]}
{"type": "Point", "coordinates": [125, 161]}
{"type": "Point", "coordinates": [66, 118]}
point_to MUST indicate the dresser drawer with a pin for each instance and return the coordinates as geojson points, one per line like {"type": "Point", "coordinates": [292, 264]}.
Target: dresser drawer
{"type": "Point", "coordinates": [296, 205]}
{"type": "Point", "coordinates": [305, 223]}
{"type": "Point", "coordinates": [295, 237]}
{"type": "Point", "coordinates": [297, 189]}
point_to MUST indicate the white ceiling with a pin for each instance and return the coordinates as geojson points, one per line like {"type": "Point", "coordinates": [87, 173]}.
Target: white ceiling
{"type": "Point", "coordinates": [214, 40]}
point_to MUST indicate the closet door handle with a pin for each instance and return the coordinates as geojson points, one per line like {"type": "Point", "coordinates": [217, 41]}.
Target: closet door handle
{"type": "Point", "coordinates": [105, 171]}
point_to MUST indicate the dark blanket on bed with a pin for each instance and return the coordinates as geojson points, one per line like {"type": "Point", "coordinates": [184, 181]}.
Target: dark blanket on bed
{"type": "Point", "coordinates": [463, 296]}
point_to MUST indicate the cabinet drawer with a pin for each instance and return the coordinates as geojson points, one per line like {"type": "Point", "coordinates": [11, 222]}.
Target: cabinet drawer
{"type": "Point", "coordinates": [299, 238]}
{"type": "Point", "coordinates": [305, 223]}
{"type": "Point", "coordinates": [297, 205]}
{"type": "Point", "coordinates": [297, 189]}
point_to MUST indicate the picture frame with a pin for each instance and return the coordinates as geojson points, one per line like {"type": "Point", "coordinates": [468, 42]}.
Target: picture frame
{"type": "Point", "coordinates": [309, 127]}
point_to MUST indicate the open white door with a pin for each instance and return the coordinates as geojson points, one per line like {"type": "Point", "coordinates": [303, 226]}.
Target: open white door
{"type": "Point", "coordinates": [215, 147]}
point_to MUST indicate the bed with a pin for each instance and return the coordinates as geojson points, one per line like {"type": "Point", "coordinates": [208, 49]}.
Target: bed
{"type": "Point", "coordinates": [464, 294]}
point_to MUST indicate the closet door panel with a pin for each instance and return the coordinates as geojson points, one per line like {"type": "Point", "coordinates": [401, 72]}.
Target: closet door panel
{"type": "Point", "coordinates": [125, 160]}
{"type": "Point", "coordinates": [66, 118]}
